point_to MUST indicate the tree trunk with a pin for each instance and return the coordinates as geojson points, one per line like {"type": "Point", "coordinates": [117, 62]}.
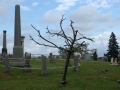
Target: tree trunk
{"type": "Point", "coordinates": [63, 82]}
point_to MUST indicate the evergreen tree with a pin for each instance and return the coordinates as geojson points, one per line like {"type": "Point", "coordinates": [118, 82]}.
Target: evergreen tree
{"type": "Point", "coordinates": [113, 48]}
{"type": "Point", "coordinates": [95, 55]}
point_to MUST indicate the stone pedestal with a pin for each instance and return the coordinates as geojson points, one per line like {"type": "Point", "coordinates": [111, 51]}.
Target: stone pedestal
{"type": "Point", "coordinates": [17, 63]}
{"type": "Point", "coordinates": [18, 52]}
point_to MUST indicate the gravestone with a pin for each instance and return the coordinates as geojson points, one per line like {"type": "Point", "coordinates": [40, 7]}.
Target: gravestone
{"type": "Point", "coordinates": [6, 63]}
{"type": "Point", "coordinates": [44, 68]}
{"type": "Point", "coordinates": [27, 62]}
{"type": "Point", "coordinates": [115, 60]}
{"type": "Point", "coordinates": [51, 58]}
{"type": "Point", "coordinates": [87, 57]}
{"type": "Point", "coordinates": [112, 60]}
{"type": "Point", "coordinates": [17, 49]}
{"type": "Point", "coordinates": [76, 61]}
{"type": "Point", "coordinates": [4, 49]}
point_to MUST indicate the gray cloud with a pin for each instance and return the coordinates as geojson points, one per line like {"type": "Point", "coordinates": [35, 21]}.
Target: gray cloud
{"type": "Point", "coordinates": [88, 17]}
{"type": "Point", "coordinates": [114, 22]}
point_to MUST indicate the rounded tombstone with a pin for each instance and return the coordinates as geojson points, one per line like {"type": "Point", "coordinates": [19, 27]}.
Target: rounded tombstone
{"type": "Point", "coordinates": [77, 55]}
{"type": "Point", "coordinates": [28, 55]}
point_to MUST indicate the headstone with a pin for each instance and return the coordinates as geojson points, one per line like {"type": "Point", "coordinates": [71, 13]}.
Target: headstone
{"type": "Point", "coordinates": [6, 63]}
{"type": "Point", "coordinates": [87, 57]}
{"type": "Point", "coordinates": [17, 49]}
{"type": "Point", "coordinates": [44, 69]}
{"type": "Point", "coordinates": [4, 49]}
{"type": "Point", "coordinates": [115, 60]}
{"type": "Point", "coordinates": [27, 62]}
{"type": "Point", "coordinates": [76, 61]}
{"type": "Point", "coordinates": [112, 60]}
{"type": "Point", "coordinates": [51, 58]}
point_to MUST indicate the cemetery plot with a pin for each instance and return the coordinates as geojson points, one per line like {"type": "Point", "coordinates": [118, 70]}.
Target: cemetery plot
{"type": "Point", "coordinates": [88, 77]}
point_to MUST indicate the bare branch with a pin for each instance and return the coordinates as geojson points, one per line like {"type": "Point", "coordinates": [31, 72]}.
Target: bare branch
{"type": "Point", "coordinates": [44, 38]}
{"type": "Point", "coordinates": [41, 44]}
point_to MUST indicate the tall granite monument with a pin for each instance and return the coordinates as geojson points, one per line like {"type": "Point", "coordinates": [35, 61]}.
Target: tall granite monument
{"type": "Point", "coordinates": [4, 49]}
{"type": "Point", "coordinates": [17, 49]}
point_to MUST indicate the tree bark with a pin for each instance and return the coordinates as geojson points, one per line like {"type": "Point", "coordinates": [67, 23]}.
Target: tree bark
{"type": "Point", "coordinates": [63, 82]}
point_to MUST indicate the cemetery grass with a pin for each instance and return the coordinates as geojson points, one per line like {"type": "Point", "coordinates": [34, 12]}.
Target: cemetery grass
{"type": "Point", "coordinates": [89, 77]}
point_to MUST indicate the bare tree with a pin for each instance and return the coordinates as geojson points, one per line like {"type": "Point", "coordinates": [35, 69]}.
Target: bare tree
{"type": "Point", "coordinates": [70, 43]}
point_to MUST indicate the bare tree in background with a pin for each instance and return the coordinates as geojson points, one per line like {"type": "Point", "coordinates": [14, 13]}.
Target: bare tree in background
{"type": "Point", "coordinates": [70, 43]}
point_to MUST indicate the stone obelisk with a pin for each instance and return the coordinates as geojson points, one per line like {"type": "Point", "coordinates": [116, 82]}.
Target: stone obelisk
{"type": "Point", "coordinates": [17, 49]}
{"type": "Point", "coordinates": [4, 49]}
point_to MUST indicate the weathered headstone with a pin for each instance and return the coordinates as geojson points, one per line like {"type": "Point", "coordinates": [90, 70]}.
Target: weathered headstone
{"type": "Point", "coordinates": [17, 49]}
{"type": "Point", "coordinates": [6, 63]}
{"type": "Point", "coordinates": [112, 60]}
{"type": "Point", "coordinates": [115, 60]}
{"type": "Point", "coordinates": [51, 58]}
{"type": "Point", "coordinates": [27, 62]}
{"type": "Point", "coordinates": [4, 49]}
{"type": "Point", "coordinates": [76, 61]}
{"type": "Point", "coordinates": [87, 57]}
{"type": "Point", "coordinates": [44, 68]}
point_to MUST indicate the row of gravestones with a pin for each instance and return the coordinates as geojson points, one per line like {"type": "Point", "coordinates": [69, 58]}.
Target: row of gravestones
{"type": "Point", "coordinates": [27, 68]}
{"type": "Point", "coordinates": [7, 64]}
{"type": "Point", "coordinates": [114, 61]}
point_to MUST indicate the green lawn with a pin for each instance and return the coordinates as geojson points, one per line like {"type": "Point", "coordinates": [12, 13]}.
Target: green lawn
{"type": "Point", "coordinates": [89, 77]}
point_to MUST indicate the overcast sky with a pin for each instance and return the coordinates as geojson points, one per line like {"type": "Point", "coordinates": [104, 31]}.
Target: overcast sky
{"type": "Point", "coordinates": [96, 18]}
